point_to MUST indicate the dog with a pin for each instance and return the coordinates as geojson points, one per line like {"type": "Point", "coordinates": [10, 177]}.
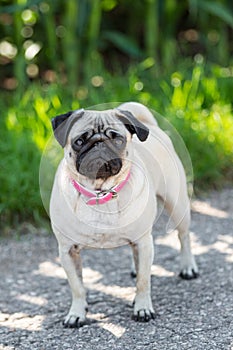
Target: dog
{"type": "Point", "coordinates": [116, 164]}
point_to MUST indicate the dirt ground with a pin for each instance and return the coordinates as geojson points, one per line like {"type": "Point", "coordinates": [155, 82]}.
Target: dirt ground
{"type": "Point", "coordinates": [197, 314]}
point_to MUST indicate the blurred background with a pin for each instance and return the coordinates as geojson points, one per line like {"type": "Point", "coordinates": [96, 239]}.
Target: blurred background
{"type": "Point", "coordinates": [173, 56]}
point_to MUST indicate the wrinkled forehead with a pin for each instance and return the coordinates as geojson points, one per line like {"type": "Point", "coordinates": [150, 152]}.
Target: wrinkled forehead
{"type": "Point", "coordinates": [98, 121]}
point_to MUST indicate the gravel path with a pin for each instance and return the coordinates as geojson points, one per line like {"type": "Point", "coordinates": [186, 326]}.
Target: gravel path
{"type": "Point", "coordinates": [197, 314]}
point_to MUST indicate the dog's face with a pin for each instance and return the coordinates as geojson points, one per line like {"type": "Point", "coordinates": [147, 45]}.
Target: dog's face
{"type": "Point", "coordinates": [97, 143]}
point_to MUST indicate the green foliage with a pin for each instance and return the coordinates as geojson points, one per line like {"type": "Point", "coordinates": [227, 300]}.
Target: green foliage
{"type": "Point", "coordinates": [197, 104]}
{"type": "Point", "coordinates": [205, 122]}
{"type": "Point", "coordinates": [216, 9]}
{"type": "Point", "coordinates": [173, 56]}
{"type": "Point", "coordinates": [123, 43]}
{"type": "Point", "coordinates": [75, 37]}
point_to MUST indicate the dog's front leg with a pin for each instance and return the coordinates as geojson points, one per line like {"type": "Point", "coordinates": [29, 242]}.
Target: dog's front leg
{"type": "Point", "coordinates": [143, 251]}
{"type": "Point", "coordinates": [71, 262]}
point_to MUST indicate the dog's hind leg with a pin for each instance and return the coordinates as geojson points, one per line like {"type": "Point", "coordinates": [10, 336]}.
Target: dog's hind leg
{"type": "Point", "coordinates": [71, 262]}
{"type": "Point", "coordinates": [179, 210]}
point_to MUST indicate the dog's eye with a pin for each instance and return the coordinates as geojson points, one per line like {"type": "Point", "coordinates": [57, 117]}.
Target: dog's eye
{"type": "Point", "coordinates": [79, 142]}
{"type": "Point", "coordinates": [118, 141]}
{"type": "Point", "coordinates": [112, 134]}
{"type": "Point", "coordinates": [117, 138]}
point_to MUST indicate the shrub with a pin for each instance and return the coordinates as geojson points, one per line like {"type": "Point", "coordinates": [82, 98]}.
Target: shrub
{"type": "Point", "coordinates": [197, 104]}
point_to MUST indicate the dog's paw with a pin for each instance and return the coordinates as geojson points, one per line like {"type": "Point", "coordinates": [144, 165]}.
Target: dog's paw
{"type": "Point", "coordinates": [133, 273]}
{"type": "Point", "coordinates": [189, 274]}
{"type": "Point", "coordinates": [143, 315]}
{"type": "Point", "coordinates": [77, 315]}
{"type": "Point", "coordinates": [143, 309]}
{"type": "Point", "coordinates": [73, 321]}
{"type": "Point", "coordinates": [189, 269]}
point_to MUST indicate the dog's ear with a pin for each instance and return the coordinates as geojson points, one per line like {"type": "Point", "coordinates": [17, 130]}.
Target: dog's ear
{"type": "Point", "coordinates": [63, 123]}
{"type": "Point", "coordinates": [133, 125]}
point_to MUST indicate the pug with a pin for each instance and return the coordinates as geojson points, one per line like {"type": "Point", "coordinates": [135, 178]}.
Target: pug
{"type": "Point", "coordinates": [116, 164]}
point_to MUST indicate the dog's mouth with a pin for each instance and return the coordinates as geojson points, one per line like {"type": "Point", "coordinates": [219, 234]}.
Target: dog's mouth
{"type": "Point", "coordinates": [99, 167]}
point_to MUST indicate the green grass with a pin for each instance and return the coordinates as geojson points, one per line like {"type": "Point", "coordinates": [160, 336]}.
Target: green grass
{"type": "Point", "coordinates": [196, 101]}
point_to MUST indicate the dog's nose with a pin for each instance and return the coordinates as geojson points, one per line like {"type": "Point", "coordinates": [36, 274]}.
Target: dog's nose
{"type": "Point", "coordinates": [99, 138]}
{"type": "Point", "coordinates": [100, 145]}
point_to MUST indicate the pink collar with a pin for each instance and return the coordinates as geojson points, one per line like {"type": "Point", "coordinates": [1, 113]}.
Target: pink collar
{"type": "Point", "coordinates": [101, 196]}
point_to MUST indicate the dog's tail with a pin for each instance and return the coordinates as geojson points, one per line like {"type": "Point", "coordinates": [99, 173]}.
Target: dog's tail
{"type": "Point", "coordinates": [140, 111]}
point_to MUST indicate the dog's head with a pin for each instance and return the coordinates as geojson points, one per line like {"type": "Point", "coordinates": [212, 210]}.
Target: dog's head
{"type": "Point", "coordinates": [96, 143]}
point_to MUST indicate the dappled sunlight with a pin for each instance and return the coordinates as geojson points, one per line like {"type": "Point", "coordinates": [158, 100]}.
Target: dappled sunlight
{"type": "Point", "coordinates": [157, 270]}
{"type": "Point", "coordinates": [125, 293]}
{"type": "Point", "coordinates": [205, 208]}
{"type": "Point", "coordinates": [49, 269]}
{"type": "Point", "coordinates": [103, 322]}
{"type": "Point", "coordinates": [201, 249]}
{"type": "Point", "coordinates": [97, 316]}
{"type": "Point", "coordinates": [170, 239]}
{"type": "Point", "coordinates": [227, 240]}
{"type": "Point", "coordinates": [32, 299]}
{"type": "Point", "coordinates": [116, 330]}
{"type": "Point", "coordinates": [91, 280]}
{"type": "Point", "coordinates": [223, 245]}
{"type": "Point", "coordinates": [20, 320]}
{"type": "Point", "coordinates": [91, 276]}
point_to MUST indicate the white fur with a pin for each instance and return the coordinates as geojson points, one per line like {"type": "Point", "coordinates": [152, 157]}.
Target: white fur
{"type": "Point", "coordinates": [155, 171]}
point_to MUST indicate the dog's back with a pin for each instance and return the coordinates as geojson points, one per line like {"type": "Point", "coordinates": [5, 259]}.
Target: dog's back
{"type": "Point", "coordinates": [141, 112]}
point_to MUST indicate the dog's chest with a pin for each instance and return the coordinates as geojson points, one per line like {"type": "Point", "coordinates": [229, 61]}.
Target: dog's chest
{"type": "Point", "coordinates": [117, 222]}
{"type": "Point", "coordinates": [99, 217]}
